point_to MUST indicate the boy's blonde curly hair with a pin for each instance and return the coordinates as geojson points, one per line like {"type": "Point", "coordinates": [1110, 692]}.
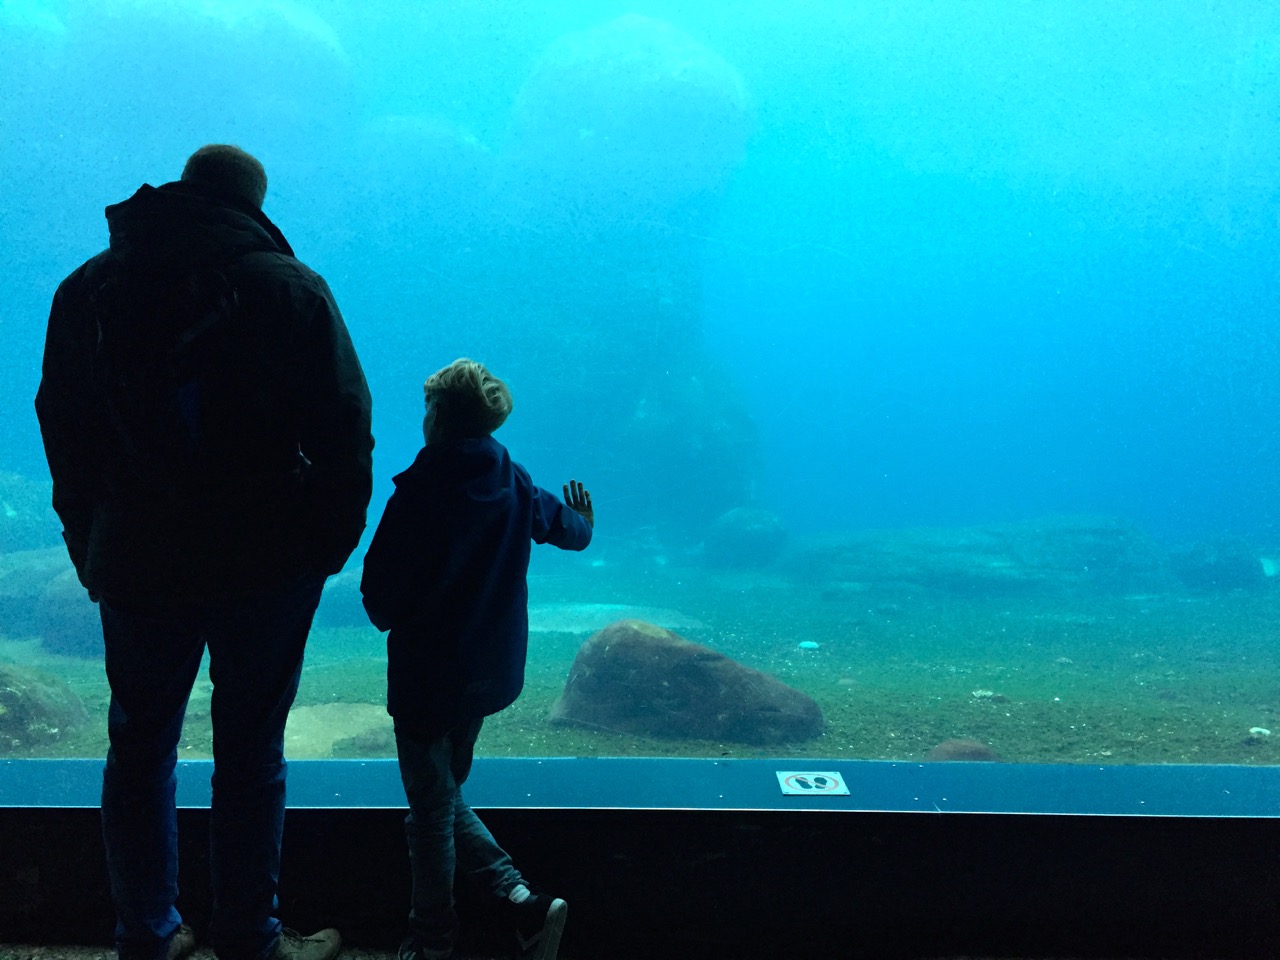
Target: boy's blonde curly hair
{"type": "Point", "coordinates": [469, 400]}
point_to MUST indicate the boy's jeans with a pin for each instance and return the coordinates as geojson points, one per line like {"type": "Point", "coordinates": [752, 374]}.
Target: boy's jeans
{"type": "Point", "coordinates": [255, 658]}
{"type": "Point", "coordinates": [444, 833]}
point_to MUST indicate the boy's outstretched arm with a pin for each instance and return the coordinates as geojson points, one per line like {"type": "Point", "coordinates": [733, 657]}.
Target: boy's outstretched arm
{"type": "Point", "coordinates": [566, 524]}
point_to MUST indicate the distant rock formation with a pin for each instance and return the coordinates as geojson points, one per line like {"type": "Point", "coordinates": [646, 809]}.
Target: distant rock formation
{"type": "Point", "coordinates": [629, 118]}
{"type": "Point", "coordinates": [24, 576]}
{"type": "Point", "coordinates": [1220, 565]}
{"type": "Point", "coordinates": [67, 619]}
{"type": "Point", "coordinates": [340, 602]}
{"type": "Point", "coordinates": [41, 596]}
{"type": "Point", "coordinates": [744, 538]}
{"type": "Point", "coordinates": [623, 142]}
{"type": "Point", "coordinates": [634, 677]}
{"type": "Point", "coordinates": [1048, 555]}
{"type": "Point", "coordinates": [27, 520]}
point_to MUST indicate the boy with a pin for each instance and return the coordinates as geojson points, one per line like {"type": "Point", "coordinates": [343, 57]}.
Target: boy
{"type": "Point", "coordinates": [446, 574]}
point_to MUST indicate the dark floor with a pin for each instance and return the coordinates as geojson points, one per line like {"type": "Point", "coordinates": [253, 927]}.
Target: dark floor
{"type": "Point", "coordinates": [44, 952]}
{"type": "Point", "coordinates": [27, 952]}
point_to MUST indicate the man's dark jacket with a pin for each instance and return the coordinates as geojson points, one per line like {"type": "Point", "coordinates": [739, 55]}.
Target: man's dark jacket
{"type": "Point", "coordinates": [275, 479]}
{"type": "Point", "coordinates": [446, 574]}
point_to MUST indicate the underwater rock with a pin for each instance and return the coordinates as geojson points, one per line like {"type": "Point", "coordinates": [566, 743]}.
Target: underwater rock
{"type": "Point", "coordinates": [962, 748]}
{"type": "Point", "coordinates": [341, 604]}
{"type": "Point", "coordinates": [689, 420]}
{"type": "Point", "coordinates": [41, 596]}
{"type": "Point", "coordinates": [1059, 554]}
{"type": "Point", "coordinates": [633, 112]}
{"type": "Point", "coordinates": [587, 618]}
{"type": "Point", "coordinates": [379, 742]}
{"type": "Point", "coordinates": [316, 731]}
{"type": "Point", "coordinates": [27, 520]}
{"type": "Point", "coordinates": [744, 538]}
{"type": "Point", "coordinates": [634, 677]}
{"type": "Point", "coordinates": [23, 578]}
{"type": "Point", "coordinates": [1227, 563]}
{"type": "Point", "coordinates": [35, 708]}
{"type": "Point", "coordinates": [67, 620]}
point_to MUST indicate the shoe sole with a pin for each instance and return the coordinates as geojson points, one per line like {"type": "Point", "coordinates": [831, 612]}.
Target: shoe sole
{"type": "Point", "coordinates": [548, 940]}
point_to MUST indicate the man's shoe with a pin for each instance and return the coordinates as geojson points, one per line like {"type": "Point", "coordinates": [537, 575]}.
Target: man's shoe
{"type": "Point", "coordinates": [181, 945]}
{"type": "Point", "coordinates": [539, 922]}
{"type": "Point", "coordinates": [324, 945]}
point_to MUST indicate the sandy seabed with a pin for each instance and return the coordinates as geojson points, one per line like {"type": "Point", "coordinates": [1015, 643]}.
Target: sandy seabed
{"type": "Point", "coordinates": [1069, 678]}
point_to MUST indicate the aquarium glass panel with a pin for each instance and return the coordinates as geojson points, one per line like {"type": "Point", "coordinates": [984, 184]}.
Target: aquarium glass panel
{"type": "Point", "coordinates": [920, 358]}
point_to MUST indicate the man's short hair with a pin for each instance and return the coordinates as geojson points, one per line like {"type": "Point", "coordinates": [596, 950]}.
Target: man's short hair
{"type": "Point", "coordinates": [229, 172]}
{"type": "Point", "coordinates": [470, 401]}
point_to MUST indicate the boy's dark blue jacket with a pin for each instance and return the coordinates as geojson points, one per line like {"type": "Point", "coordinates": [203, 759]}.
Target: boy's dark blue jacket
{"type": "Point", "coordinates": [446, 574]}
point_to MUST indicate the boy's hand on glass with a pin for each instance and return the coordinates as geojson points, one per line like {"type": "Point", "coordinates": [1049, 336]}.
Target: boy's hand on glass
{"type": "Point", "coordinates": [578, 498]}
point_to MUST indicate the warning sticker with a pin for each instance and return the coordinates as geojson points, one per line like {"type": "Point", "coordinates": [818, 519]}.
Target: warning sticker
{"type": "Point", "coordinates": [797, 783]}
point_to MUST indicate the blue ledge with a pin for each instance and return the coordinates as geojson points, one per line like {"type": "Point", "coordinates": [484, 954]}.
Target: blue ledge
{"type": "Point", "coordinates": [664, 784]}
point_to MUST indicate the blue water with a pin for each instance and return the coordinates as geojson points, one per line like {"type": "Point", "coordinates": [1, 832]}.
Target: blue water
{"type": "Point", "coordinates": [951, 263]}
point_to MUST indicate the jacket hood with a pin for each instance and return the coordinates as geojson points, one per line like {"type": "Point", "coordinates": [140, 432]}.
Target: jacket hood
{"type": "Point", "coordinates": [181, 223]}
{"type": "Point", "coordinates": [476, 467]}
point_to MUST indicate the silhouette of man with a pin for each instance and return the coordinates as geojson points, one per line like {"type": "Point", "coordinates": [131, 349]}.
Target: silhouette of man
{"type": "Point", "coordinates": [207, 427]}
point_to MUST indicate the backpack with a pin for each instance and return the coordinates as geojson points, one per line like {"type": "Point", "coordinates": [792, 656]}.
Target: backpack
{"type": "Point", "coordinates": [162, 338]}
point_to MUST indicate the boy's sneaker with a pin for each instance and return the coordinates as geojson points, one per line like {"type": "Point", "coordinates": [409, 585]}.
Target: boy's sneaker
{"type": "Point", "coordinates": [181, 945]}
{"type": "Point", "coordinates": [324, 945]}
{"type": "Point", "coordinates": [539, 923]}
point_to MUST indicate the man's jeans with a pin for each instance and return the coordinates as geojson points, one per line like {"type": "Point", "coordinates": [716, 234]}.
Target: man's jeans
{"type": "Point", "coordinates": [255, 659]}
{"type": "Point", "coordinates": [445, 834]}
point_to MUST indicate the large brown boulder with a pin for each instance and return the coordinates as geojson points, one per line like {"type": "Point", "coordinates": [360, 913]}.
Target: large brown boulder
{"type": "Point", "coordinates": [634, 677]}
